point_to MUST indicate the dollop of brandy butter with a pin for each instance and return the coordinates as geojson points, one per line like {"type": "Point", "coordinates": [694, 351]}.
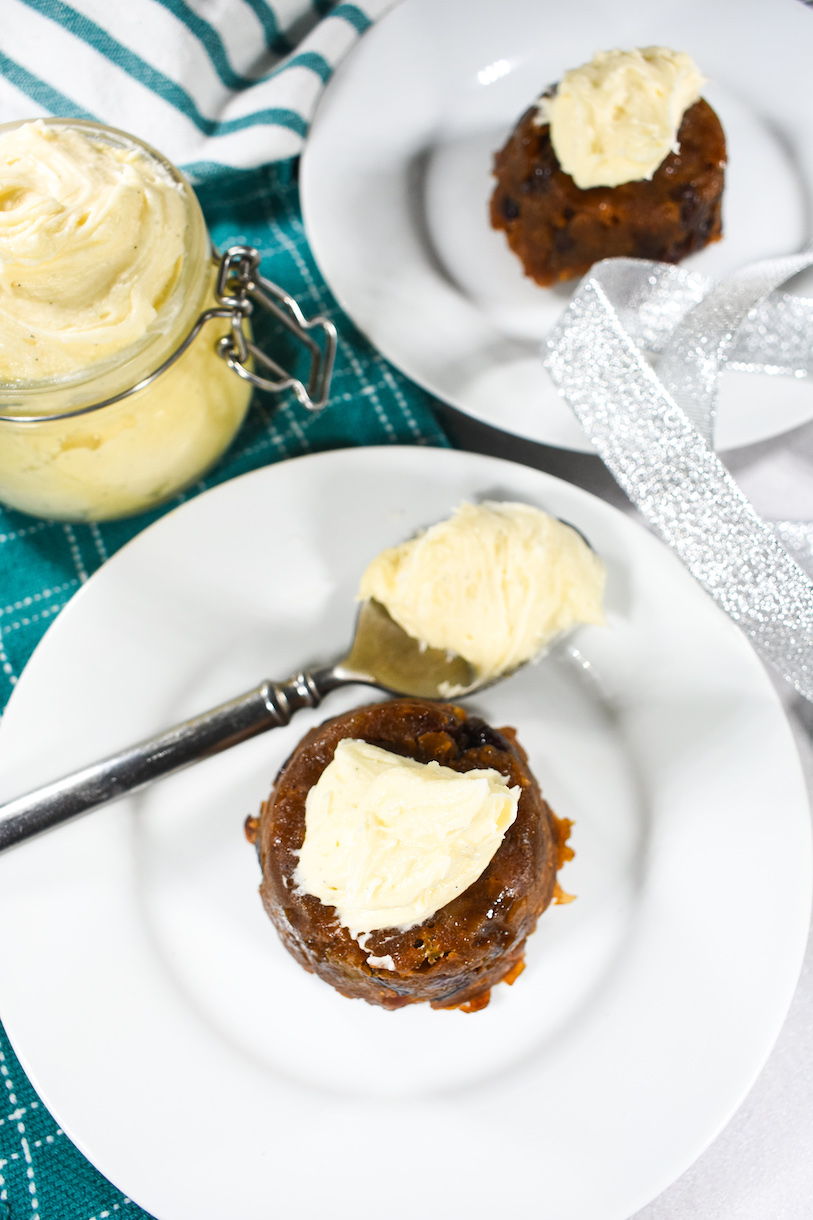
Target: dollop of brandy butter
{"type": "Point", "coordinates": [389, 840]}
{"type": "Point", "coordinates": [91, 245]}
{"type": "Point", "coordinates": [495, 583]}
{"type": "Point", "coordinates": [616, 118]}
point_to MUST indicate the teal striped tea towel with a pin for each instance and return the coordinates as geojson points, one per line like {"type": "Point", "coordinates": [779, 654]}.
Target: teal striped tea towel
{"type": "Point", "coordinates": [212, 84]}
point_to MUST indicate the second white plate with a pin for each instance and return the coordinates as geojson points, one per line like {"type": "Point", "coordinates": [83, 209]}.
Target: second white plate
{"type": "Point", "coordinates": [396, 179]}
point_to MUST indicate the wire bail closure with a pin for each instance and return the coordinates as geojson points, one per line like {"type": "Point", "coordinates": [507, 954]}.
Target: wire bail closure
{"type": "Point", "coordinates": [239, 287]}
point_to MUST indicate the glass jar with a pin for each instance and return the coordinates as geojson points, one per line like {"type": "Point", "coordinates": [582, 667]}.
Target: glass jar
{"type": "Point", "coordinates": [121, 435]}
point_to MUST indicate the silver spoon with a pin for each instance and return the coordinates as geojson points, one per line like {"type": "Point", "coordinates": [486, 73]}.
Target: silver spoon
{"type": "Point", "coordinates": [382, 655]}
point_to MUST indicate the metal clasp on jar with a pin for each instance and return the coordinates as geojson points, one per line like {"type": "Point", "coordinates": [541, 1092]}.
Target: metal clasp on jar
{"type": "Point", "coordinates": [239, 286]}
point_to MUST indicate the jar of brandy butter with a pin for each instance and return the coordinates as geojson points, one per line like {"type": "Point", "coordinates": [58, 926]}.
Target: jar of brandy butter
{"type": "Point", "coordinates": [126, 359]}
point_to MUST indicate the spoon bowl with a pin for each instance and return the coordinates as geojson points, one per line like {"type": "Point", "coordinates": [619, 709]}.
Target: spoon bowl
{"type": "Point", "coordinates": [383, 655]}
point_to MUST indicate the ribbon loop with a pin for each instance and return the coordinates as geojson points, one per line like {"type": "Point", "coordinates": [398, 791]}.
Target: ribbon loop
{"type": "Point", "coordinates": [667, 467]}
{"type": "Point", "coordinates": [691, 364]}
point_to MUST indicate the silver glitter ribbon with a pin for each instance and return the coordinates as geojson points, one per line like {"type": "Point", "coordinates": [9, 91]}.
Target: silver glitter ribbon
{"type": "Point", "coordinates": [656, 440]}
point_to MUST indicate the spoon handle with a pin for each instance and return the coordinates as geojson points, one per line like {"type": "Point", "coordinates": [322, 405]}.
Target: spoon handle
{"type": "Point", "coordinates": [269, 706]}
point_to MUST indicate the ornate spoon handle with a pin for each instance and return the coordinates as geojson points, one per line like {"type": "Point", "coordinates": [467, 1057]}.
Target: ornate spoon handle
{"type": "Point", "coordinates": [269, 706]}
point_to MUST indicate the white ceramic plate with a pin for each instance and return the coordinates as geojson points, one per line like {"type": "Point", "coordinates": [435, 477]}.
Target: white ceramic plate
{"type": "Point", "coordinates": [396, 179]}
{"type": "Point", "coordinates": [206, 1074]}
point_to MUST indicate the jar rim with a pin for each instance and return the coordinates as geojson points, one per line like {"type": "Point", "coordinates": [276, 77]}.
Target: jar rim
{"type": "Point", "coordinates": [182, 300]}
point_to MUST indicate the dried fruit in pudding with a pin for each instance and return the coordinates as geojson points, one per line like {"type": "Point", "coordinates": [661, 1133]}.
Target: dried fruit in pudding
{"type": "Point", "coordinates": [622, 158]}
{"type": "Point", "coordinates": [382, 940]}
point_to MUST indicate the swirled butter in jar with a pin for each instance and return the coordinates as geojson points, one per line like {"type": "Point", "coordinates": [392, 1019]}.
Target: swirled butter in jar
{"type": "Point", "coordinates": [105, 267]}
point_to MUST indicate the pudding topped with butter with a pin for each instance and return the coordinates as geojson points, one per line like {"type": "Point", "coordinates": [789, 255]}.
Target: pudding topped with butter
{"type": "Point", "coordinates": [407, 852]}
{"type": "Point", "coordinates": [92, 239]}
{"type": "Point", "coordinates": [621, 159]}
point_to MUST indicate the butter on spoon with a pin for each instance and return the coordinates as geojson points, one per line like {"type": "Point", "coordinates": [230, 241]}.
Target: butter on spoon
{"type": "Point", "coordinates": [494, 584]}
